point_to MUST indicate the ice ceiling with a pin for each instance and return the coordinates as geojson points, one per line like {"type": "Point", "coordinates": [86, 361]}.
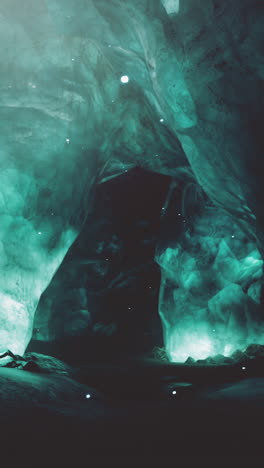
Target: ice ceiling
{"type": "Point", "coordinates": [93, 88]}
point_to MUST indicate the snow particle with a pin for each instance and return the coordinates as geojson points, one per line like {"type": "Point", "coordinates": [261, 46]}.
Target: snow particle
{"type": "Point", "coordinates": [124, 79]}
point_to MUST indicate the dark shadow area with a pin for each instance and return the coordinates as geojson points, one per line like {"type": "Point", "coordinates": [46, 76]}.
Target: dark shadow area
{"type": "Point", "coordinates": [103, 301]}
{"type": "Point", "coordinates": [134, 413]}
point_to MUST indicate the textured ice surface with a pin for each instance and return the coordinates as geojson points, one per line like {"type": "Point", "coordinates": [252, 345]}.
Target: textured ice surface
{"type": "Point", "coordinates": [67, 120]}
{"type": "Point", "coordinates": [190, 108]}
{"type": "Point", "coordinates": [171, 6]}
{"type": "Point", "coordinates": [210, 289]}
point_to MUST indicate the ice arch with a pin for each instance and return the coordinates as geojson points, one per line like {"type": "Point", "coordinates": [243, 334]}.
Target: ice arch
{"type": "Point", "coordinates": [68, 121]}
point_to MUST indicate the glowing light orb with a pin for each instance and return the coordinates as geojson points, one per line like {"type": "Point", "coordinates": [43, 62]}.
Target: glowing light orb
{"type": "Point", "coordinates": [124, 79]}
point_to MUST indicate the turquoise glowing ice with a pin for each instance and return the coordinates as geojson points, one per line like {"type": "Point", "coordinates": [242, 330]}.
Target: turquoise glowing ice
{"type": "Point", "coordinates": [210, 291]}
{"type": "Point", "coordinates": [69, 119]}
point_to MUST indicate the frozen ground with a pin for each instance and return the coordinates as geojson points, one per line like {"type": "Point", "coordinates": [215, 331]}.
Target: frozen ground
{"type": "Point", "coordinates": [133, 418]}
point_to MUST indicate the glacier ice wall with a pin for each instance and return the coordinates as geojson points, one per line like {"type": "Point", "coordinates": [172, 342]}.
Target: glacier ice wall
{"type": "Point", "coordinates": [210, 294]}
{"type": "Point", "coordinates": [212, 275]}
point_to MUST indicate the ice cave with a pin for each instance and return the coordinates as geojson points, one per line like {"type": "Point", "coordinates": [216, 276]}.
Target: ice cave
{"type": "Point", "coordinates": [131, 181]}
{"type": "Point", "coordinates": [166, 86]}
